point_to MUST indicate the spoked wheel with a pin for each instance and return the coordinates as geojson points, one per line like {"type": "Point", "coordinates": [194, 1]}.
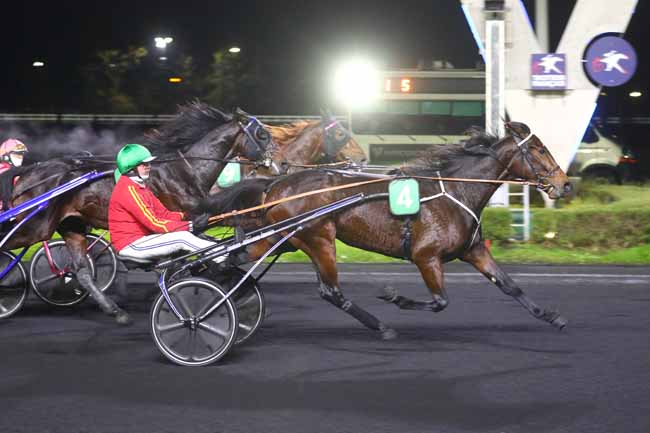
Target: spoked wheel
{"type": "Point", "coordinates": [58, 286]}
{"type": "Point", "coordinates": [193, 342]}
{"type": "Point", "coordinates": [249, 300]}
{"type": "Point", "coordinates": [13, 286]}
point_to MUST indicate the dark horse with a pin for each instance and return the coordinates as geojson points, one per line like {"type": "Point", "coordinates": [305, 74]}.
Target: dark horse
{"type": "Point", "coordinates": [191, 151]}
{"type": "Point", "coordinates": [442, 231]}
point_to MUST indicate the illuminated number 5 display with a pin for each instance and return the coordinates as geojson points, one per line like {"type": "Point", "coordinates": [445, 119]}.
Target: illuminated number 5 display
{"type": "Point", "coordinates": [405, 85]}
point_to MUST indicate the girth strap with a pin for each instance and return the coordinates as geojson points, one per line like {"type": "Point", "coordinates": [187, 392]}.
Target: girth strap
{"type": "Point", "coordinates": [444, 193]}
{"type": "Point", "coordinates": [407, 238]}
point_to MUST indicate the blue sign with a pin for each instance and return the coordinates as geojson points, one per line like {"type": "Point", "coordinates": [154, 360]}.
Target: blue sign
{"type": "Point", "coordinates": [611, 61]}
{"type": "Point", "coordinates": [548, 71]}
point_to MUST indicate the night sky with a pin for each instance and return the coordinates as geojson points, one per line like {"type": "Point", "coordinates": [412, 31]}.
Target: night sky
{"type": "Point", "coordinates": [295, 43]}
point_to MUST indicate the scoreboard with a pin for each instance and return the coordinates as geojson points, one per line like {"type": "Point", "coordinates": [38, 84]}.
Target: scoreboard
{"type": "Point", "coordinates": [407, 84]}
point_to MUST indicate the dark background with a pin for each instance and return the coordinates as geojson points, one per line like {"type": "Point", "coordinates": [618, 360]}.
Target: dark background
{"type": "Point", "coordinates": [294, 45]}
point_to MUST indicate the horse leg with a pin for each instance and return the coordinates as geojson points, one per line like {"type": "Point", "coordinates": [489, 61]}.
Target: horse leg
{"type": "Point", "coordinates": [432, 274]}
{"type": "Point", "coordinates": [481, 259]}
{"type": "Point", "coordinates": [322, 252]}
{"type": "Point", "coordinates": [77, 245]}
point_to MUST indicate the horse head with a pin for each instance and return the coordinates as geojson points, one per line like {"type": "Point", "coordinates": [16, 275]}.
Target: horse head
{"type": "Point", "coordinates": [257, 143]}
{"type": "Point", "coordinates": [338, 144]}
{"type": "Point", "coordinates": [531, 160]}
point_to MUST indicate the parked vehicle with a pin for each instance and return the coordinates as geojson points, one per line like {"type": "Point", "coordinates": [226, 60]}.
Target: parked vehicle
{"type": "Point", "coordinates": [601, 156]}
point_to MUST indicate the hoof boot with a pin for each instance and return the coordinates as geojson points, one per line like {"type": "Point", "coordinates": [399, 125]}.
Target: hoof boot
{"type": "Point", "coordinates": [122, 318]}
{"type": "Point", "coordinates": [388, 334]}
{"type": "Point", "coordinates": [559, 322]}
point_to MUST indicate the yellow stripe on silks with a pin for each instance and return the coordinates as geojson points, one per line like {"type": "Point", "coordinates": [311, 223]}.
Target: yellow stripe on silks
{"type": "Point", "coordinates": [147, 213]}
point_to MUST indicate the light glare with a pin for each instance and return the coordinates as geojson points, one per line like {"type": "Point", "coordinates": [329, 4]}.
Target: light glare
{"type": "Point", "coordinates": [635, 94]}
{"type": "Point", "coordinates": [163, 41]}
{"type": "Point", "coordinates": [356, 83]}
{"type": "Point", "coordinates": [234, 50]}
{"type": "Point", "coordinates": [38, 64]}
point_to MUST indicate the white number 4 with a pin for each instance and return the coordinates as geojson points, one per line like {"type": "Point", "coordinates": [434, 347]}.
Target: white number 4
{"type": "Point", "coordinates": [404, 197]}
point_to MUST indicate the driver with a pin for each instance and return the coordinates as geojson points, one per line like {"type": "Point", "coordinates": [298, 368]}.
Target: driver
{"type": "Point", "coordinates": [141, 227]}
{"type": "Point", "coordinates": [12, 152]}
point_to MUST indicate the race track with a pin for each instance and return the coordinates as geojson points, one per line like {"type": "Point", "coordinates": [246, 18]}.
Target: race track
{"type": "Point", "coordinates": [482, 365]}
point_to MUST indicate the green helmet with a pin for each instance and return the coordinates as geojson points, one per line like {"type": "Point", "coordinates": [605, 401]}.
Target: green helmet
{"type": "Point", "coordinates": [130, 156]}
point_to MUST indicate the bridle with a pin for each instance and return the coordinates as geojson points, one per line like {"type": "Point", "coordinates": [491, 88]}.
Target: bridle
{"type": "Point", "coordinates": [257, 134]}
{"type": "Point", "coordinates": [332, 144]}
{"type": "Point", "coordinates": [524, 150]}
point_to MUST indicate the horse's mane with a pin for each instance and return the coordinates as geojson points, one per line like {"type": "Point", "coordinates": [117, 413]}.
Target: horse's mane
{"type": "Point", "coordinates": [449, 157]}
{"type": "Point", "coordinates": [192, 122]}
{"type": "Point", "coordinates": [285, 134]}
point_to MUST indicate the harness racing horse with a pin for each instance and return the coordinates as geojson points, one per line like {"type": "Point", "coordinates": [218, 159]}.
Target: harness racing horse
{"type": "Point", "coordinates": [304, 143]}
{"type": "Point", "coordinates": [296, 146]}
{"type": "Point", "coordinates": [446, 227]}
{"type": "Point", "coordinates": [311, 142]}
{"type": "Point", "coordinates": [191, 149]}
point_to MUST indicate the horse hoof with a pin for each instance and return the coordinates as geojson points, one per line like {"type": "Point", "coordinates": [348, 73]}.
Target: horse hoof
{"type": "Point", "coordinates": [559, 322]}
{"type": "Point", "coordinates": [389, 294]}
{"type": "Point", "coordinates": [122, 318]}
{"type": "Point", "coordinates": [388, 334]}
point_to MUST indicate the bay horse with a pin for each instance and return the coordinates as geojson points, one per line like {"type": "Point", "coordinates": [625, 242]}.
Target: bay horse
{"type": "Point", "coordinates": [192, 150]}
{"type": "Point", "coordinates": [444, 229]}
{"type": "Point", "coordinates": [303, 143]}
{"type": "Point", "coordinates": [312, 142]}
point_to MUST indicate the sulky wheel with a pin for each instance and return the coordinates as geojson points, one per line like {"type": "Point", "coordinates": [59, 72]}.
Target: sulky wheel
{"type": "Point", "coordinates": [103, 258]}
{"type": "Point", "coordinates": [251, 306]}
{"type": "Point", "coordinates": [193, 342]}
{"type": "Point", "coordinates": [55, 283]}
{"type": "Point", "coordinates": [13, 286]}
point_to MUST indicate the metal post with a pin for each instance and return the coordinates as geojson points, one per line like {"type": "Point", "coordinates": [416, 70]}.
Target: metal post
{"type": "Point", "coordinates": [541, 24]}
{"type": "Point", "coordinates": [526, 221]}
{"type": "Point", "coordinates": [495, 84]}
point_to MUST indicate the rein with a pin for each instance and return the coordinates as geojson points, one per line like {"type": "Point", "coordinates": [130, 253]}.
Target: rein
{"type": "Point", "coordinates": [233, 213]}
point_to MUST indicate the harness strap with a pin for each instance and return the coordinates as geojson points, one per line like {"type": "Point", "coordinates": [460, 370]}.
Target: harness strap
{"type": "Point", "coordinates": [184, 159]}
{"type": "Point", "coordinates": [528, 137]}
{"type": "Point", "coordinates": [444, 193]}
{"type": "Point", "coordinates": [407, 237]}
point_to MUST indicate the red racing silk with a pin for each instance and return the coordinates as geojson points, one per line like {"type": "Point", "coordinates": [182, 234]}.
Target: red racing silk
{"type": "Point", "coordinates": [134, 211]}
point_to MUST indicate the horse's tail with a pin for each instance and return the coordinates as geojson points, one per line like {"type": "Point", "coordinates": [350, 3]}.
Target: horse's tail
{"type": "Point", "coordinates": [245, 194]}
